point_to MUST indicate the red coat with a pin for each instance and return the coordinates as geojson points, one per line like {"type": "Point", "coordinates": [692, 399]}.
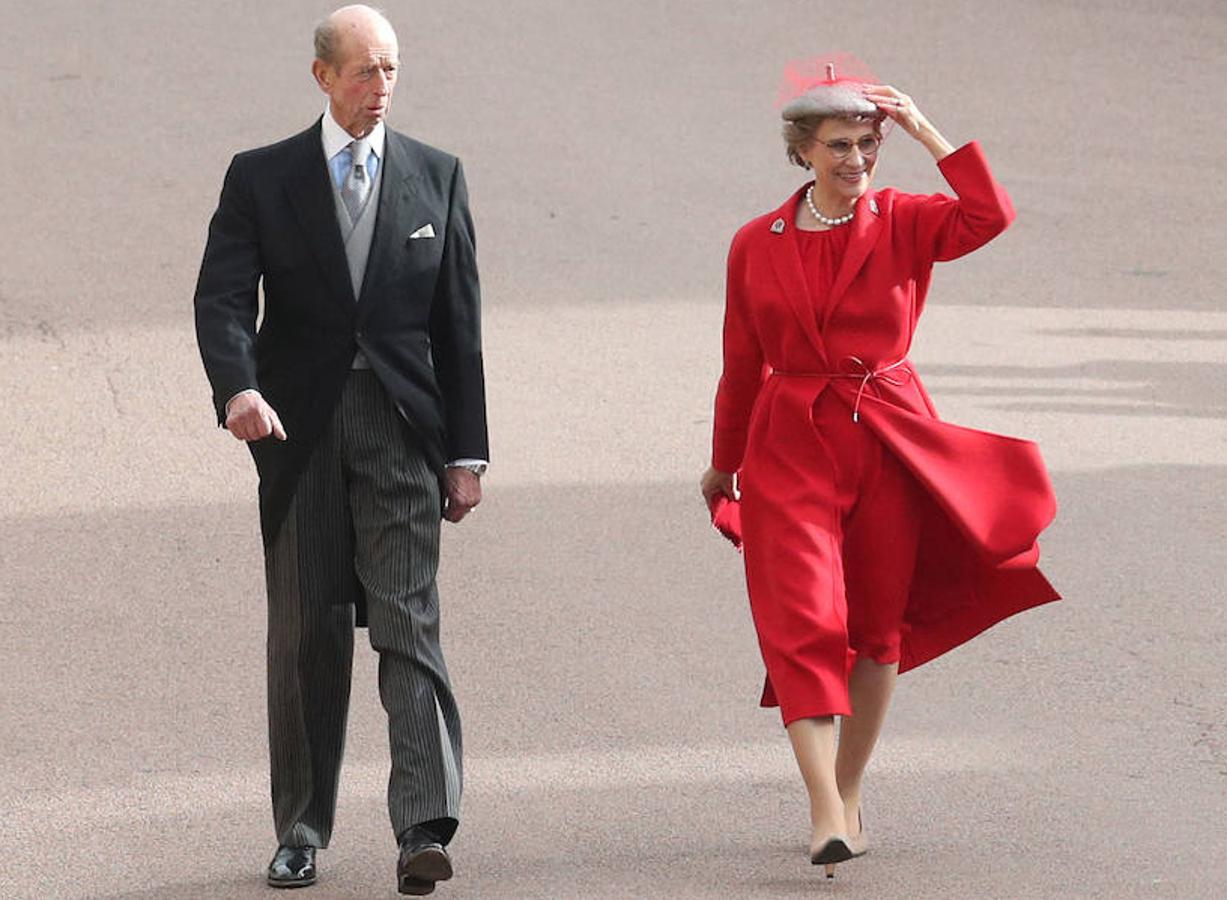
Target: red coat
{"type": "Point", "coordinates": [991, 494]}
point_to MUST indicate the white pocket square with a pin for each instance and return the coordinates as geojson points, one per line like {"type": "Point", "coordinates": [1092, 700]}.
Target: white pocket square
{"type": "Point", "coordinates": [426, 231]}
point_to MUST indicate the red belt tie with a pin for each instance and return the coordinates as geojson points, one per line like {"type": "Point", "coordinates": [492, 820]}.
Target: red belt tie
{"type": "Point", "coordinates": [865, 375]}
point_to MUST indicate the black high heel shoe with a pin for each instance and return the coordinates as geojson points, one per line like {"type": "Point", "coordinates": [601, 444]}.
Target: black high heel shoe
{"type": "Point", "coordinates": [860, 843]}
{"type": "Point", "coordinates": [837, 849]}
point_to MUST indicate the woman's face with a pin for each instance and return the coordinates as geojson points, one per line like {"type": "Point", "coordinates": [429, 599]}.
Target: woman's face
{"type": "Point", "coordinates": [842, 156]}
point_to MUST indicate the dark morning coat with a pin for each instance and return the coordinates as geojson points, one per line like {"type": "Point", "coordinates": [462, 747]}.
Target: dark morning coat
{"type": "Point", "coordinates": [989, 496]}
{"type": "Point", "coordinates": [417, 319]}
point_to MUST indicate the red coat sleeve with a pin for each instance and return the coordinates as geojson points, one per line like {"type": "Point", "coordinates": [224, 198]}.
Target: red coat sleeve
{"type": "Point", "coordinates": [947, 228]}
{"type": "Point", "coordinates": [743, 367]}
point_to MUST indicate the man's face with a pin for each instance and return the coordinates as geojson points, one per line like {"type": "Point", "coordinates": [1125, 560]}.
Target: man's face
{"type": "Point", "coordinates": [360, 85]}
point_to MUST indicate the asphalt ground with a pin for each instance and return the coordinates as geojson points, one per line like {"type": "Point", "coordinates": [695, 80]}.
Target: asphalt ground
{"type": "Point", "coordinates": [596, 627]}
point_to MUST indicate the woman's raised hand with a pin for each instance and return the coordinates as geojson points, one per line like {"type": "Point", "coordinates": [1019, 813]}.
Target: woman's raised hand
{"type": "Point", "coordinates": [896, 104]}
{"type": "Point", "coordinates": [900, 107]}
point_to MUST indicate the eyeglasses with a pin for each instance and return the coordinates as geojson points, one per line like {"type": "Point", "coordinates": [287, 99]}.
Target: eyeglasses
{"type": "Point", "coordinates": [867, 146]}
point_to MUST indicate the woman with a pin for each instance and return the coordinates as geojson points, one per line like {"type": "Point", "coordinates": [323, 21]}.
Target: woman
{"type": "Point", "coordinates": [875, 536]}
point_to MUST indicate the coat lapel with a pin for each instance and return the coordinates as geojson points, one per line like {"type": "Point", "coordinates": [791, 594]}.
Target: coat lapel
{"type": "Point", "coordinates": [310, 188]}
{"type": "Point", "coordinates": [397, 197]}
{"type": "Point", "coordinates": [866, 226]}
{"type": "Point", "coordinates": [786, 260]}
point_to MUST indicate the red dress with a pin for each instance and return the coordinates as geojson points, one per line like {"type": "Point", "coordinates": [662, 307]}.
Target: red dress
{"type": "Point", "coordinates": [897, 517]}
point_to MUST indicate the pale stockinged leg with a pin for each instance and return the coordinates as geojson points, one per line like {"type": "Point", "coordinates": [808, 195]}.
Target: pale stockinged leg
{"type": "Point", "coordinates": [870, 687]}
{"type": "Point", "coordinates": [813, 744]}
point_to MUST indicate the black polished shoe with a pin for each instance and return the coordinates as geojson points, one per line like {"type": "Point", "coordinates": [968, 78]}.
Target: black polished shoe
{"type": "Point", "coordinates": [292, 867]}
{"type": "Point", "coordinates": [423, 861]}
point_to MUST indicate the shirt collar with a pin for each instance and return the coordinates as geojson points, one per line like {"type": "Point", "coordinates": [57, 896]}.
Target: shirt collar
{"type": "Point", "coordinates": [337, 138]}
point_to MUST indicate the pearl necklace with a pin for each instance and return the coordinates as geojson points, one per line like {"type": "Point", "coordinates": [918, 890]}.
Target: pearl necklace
{"type": "Point", "coordinates": [830, 223]}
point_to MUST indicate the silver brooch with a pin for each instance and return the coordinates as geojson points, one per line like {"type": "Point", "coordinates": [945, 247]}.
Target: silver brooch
{"type": "Point", "coordinates": [777, 227]}
{"type": "Point", "coordinates": [873, 206]}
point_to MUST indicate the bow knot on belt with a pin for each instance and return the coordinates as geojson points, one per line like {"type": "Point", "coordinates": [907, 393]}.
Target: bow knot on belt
{"type": "Point", "coordinates": [855, 367]}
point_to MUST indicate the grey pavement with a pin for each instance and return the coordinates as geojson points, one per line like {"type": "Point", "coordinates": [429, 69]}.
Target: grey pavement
{"type": "Point", "coordinates": [596, 627]}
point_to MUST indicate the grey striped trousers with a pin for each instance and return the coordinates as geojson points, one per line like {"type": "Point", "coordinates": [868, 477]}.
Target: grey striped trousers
{"type": "Point", "coordinates": [365, 517]}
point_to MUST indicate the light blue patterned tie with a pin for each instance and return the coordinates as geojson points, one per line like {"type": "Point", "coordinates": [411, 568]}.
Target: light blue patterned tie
{"type": "Point", "coordinates": [357, 184]}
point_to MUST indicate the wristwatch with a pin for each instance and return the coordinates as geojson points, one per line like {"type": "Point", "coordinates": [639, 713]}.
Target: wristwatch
{"type": "Point", "coordinates": [477, 468]}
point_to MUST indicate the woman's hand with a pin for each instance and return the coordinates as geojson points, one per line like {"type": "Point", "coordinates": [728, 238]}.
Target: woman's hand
{"type": "Point", "coordinates": [716, 482]}
{"type": "Point", "coordinates": [900, 107]}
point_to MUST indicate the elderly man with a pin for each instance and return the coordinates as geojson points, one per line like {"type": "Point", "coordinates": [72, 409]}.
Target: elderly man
{"type": "Point", "coordinates": [359, 391]}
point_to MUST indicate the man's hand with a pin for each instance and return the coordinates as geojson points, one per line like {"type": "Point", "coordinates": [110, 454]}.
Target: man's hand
{"type": "Point", "coordinates": [250, 418]}
{"type": "Point", "coordinates": [463, 493]}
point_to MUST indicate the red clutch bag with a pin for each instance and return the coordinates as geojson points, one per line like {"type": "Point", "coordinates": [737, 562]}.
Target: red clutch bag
{"type": "Point", "coordinates": [726, 518]}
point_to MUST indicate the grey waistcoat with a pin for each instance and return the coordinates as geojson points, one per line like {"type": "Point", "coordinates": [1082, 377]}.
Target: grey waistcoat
{"type": "Point", "coordinates": [357, 239]}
